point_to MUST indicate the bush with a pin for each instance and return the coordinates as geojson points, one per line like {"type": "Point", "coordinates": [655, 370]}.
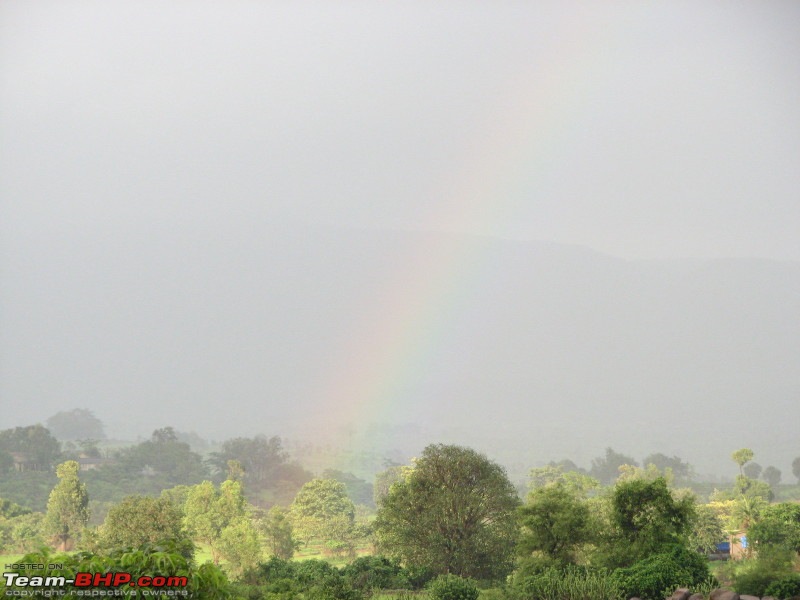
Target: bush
{"type": "Point", "coordinates": [334, 587]}
{"type": "Point", "coordinates": [659, 575]}
{"type": "Point", "coordinates": [754, 576]}
{"type": "Point", "coordinates": [569, 583]}
{"type": "Point", "coordinates": [453, 587]}
{"type": "Point", "coordinates": [376, 572]}
{"type": "Point", "coordinates": [784, 588]}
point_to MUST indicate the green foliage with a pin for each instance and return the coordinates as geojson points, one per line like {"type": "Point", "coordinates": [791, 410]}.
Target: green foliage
{"type": "Point", "coordinates": [277, 529]}
{"type": "Point", "coordinates": [376, 572]}
{"type": "Point", "coordinates": [753, 470]}
{"type": "Point", "coordinates": [454, 513]}
{"type": "Point", "coordinates": [218, 517]}
{"type": "Point", "coordinates": [6, 461]}
{"type": "Point", "coordinates": [772, 476]}
{"type": "Point", "coordinates": [747, 510]}
{"type": "Point", "coordinates": [682, 471]}
{"type": "Point", "coordinates": [140, 520]}
{"type": "Point", "coordinates": [358, 490]}
{"type": "Point", "coordinates": [239, 545]}
{"type": "Point", "coordinates": [9, 510]}
{"type": "Point", "coordinates": [754, 575]}
{"type": "Point", "coordinates": [741, 457]}
{"type": "Point", "coordinates": [76, 424]}
{"type": "Point", "coordinates": [266, 467]}
{"type": "Point", "coordinates": [164, 457]}
{"type": "Point", "coordinates": [207, 581]}
{"type": "Point", "coordinates": [745, 486]}
{"type": "Point", "coordinates": [707, 529]}
{"type": "Point", "coordinates": [606, 468]}
{"type": "Point", "coordinates": [571, 583]}
{"type": "Point", "coordinates": [28, 488]}
{"type": "Point", "coordinates": [555, 522]}
{"type": "Point", "coordinates": [452, 587]}
{"type": "Point", "coordinates": [660, 574]}
{"type": "Point", "coordinates": [278, 579]}
{"type": "Point", "coordinates": [67, 508]}
{"type": "Point", "coordinates": [779, 526]}
{"type": "Point", "coordinates": [34, 446]}
{"type": "Point", "coordinates": [786, 587]}
{"type": "Point", "coordinates": [580, 484]}
{"type": "Point", "coordinates": [644, 518]}
{"type": "Point", "coordinates": [385, 480]}
{"type": "Point", "coordinates": [22, 532]}
{"type": "Point", "coordinates": [321, 510]}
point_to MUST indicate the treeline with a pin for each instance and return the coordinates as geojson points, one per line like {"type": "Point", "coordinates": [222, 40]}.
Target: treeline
{"type": "Point", "coordinates": [451, 520]}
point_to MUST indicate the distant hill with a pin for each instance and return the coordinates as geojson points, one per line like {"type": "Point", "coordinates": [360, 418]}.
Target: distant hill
{"type": "Point", "coordinates": [530, 351]}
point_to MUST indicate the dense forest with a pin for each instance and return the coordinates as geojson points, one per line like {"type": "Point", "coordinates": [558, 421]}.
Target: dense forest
{"type": "Point", "coordinates": [244, 519]}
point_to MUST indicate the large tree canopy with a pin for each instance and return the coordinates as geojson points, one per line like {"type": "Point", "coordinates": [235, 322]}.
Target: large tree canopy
{"type": "Point", "coordinates": [139, 520]}
{"type": "Point", "coordinates": [645, 518]}
{"type": "Point", "coordinates": [76, 424]}
{"type": "Point", "coordinates": [35, 448]}
{"type": "Point", "coordinates": [454, 513]}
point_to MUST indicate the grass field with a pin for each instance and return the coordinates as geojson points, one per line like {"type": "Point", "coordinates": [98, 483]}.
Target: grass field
{"type": "Point", "coordinates": [7, 559]}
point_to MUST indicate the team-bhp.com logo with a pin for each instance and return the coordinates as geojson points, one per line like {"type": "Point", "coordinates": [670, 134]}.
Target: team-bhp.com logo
{"type": "Point", "coordinates": [95, 585]}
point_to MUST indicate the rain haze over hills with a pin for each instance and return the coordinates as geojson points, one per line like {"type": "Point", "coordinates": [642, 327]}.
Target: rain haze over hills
{"type": "Point", "coordinates": [538, 229]}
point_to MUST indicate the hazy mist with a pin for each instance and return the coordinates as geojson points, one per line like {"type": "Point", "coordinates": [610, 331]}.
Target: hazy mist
{"type": "Point", "coordinates": [538, 229]}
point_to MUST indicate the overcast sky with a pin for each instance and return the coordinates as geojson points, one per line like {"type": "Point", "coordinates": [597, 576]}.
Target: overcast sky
{"type": "Point", "coordinates": [642, 129]}
{"type": "Point", "coordinates": [176, 177]}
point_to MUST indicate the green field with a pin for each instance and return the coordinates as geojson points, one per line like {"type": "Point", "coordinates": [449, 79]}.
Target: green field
{"type": "Point", "coordinates": [7, 559]}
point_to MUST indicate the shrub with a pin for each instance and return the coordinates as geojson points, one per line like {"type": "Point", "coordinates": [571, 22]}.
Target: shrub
{"type": "Point", "coordinates": [333, 587]}
{"type": "Point", "coordinates": [660, 574]}
{"type": "Point", "coordinates": [376, 572]}
{"type": "Point", "coordinates": [754, 576]}
{"type": "Point", "coordinates": [784, 588]}
{"type": "Point", "coordinates": [453, 587]}
{"type": "Point", "coordinates": [569, 583]}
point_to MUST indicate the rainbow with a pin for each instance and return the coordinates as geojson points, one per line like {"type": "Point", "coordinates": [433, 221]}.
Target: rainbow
{"type": "Point", "coordinates": [527, 133]}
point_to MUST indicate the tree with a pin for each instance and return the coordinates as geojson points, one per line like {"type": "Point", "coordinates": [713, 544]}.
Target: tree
{"type": "Point", "coordinates": [76, 424]}
{"type": "Point", "coordinates": [576, 482]}
{"type": "Point", "coordinates": [385, 479]}
{"type": "Point", "coordinates": [779, 526]}
{"type": "Point", "coordinates": [752, 470]}
{"type": "Point", "coordinates": [260, 457]}
{"type": "Point", "coordinates": [277, 528]}
{"type": "Point", "coordinates": [218, 518]}
{"type": "Point", "coordinates": [36, 447]}
{"type": "Point", "coordinates": [239, 545]}
{"type": "Point", "coordinates": [745, 486]}
{"type": "Point", "coordinates": [682, 471]}
{"type": "Point", "coordinates": [268, 475]}
{"type": "Point", "coordinates": [645, 517]}
{"type": "Point", "coordinates": [68, 506]}
{"type": "Point", "coordinates": [454, 513]}
{"type": "Point", "coordinates": [163, 456]}
{"type": "Point", "coordinates": [139, 520]}
{"type": "Point", "coordinates": [6, 461]}
{"type": "Point", "coordinates": [747, 510]}
{"type": "Point", "coordinates": [707, 529]}
{"type": "Point", "coordinates": [796, 468]}
{"type": "Point", "coordinates": [606, 468]}
{"type": "Point", "coordinates": [321, 510]}
{"type": "Point", "coordinates": [555, 522]}
{"type": "Point", "coordinates": [772, 476]}
{"type": "Point", "coordinates": [358, 490]}
{"type": "Point", "coordinates": [741, 457]}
